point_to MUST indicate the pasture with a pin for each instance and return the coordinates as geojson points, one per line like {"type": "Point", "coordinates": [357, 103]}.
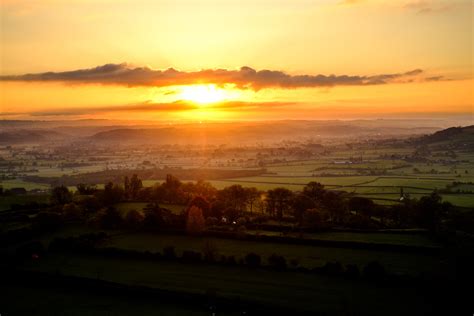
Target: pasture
{"type": "Point", "coordinates": [307, 256]}
{"type": "Point", "coordinates": [310, 293]}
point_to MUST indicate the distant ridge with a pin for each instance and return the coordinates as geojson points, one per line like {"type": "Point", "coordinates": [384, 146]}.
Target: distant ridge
{"type": "Point", "coordinates": [452, 134]}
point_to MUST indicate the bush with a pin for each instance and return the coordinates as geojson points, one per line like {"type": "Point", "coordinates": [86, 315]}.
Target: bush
{"type": "Point", "coordinates": [191, 256]}
{"type": "Point", "coordinates": [195, 223]}
{"type": "Point", "coordinates": [230, 260]}
{"type": "Point", "coordinates": [332, 268]}
{"type": "Point", "coordinates": [111, 218]}
{"type": "Point", "coordinates": [294, 263]}
{"type": "Point", "coordinates": [133, 219]}
{"type": "Point", "coordinates": [352, 271]}
{"type": "Point", "coordinates": [169, 253]}
{"type": "Point", "coordinates": [374, 271]}
{"type": "Point", "coordinates": [277, 262]}
{"type": "Point", "coordinates": [252, 259]}
{"type": "Point", "coordinates": [210, 251]}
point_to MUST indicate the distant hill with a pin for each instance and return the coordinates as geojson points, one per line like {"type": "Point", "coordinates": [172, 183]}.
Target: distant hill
{"type": "Point", "coordinates": [256, 132]}
{"type": "Point", "coordinates": [24, 136]}
{"type": "Point", "coordinates": [452, 135]}
{"type": "Point", "coordinates": [216, 133]}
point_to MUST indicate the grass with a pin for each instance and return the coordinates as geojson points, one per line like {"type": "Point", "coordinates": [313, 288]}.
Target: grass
{"type": "Point", "coordinates": [36, 299]}
{"type": "Point", "coordinates": [7, 201]}
{"type": "Point", "coordinates": [308, 256]}
{"type": "Point", "coordinates": [18, 183]}
{"type": "Point", "coordinates": [379, 238]}
{"type": "Point", "coordinates": [312, 293]}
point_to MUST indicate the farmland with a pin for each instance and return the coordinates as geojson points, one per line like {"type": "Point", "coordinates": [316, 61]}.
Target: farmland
{"type": "Point", "coordinates": [346, 227]}
{"type": "Point", "coordinates": [309, 292]}
{"type": "Point", "coordinates": [306, 256]}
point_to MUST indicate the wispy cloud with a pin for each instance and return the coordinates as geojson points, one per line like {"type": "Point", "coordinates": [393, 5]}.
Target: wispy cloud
{"type": "Point", "coordinates": [149, 106]}
{"type": "Point", "coordinates": [245, 77]}
{"type": "Point", "coordinates": [425, 6]}
{"type": "Point", "coordinates": [418, 6]}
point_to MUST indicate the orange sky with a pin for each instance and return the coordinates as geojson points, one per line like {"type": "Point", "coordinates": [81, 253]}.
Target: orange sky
{"type": "Point", "coordinates": [370, 46]}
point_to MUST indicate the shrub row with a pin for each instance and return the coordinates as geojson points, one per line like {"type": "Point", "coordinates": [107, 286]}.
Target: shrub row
{"type": "Point", "coordinates": [373, 271]}
{"type": "Point", "coordinates": [324, 243]}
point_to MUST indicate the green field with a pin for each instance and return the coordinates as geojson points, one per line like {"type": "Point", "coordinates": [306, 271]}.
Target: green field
{"type": "Point", "coordinates": [413, 239]}
{"type": "Point", "coordinates": [35, 299]}
{"type": "Point", "coordinates": [308, 256]}
{"type": "Point", "coordinates": [7, 201]}
{"type": "Point", "coordinates": [18, 183]}
{"type": "Point", "coordinates": [312, 293]}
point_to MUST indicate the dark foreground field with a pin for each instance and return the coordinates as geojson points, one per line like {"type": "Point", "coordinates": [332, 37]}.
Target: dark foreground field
{"type": "Point", "coordinates": [82, 284]}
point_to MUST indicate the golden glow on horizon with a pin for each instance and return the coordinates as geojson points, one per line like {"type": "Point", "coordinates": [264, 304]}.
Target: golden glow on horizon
{"type": "Point", "coordinates": [188, 35]}
{"type": "Point", "coordinates": [205, 94]}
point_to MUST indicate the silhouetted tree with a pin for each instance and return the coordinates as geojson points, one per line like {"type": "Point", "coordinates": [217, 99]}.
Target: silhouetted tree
{"type": "Point", "coordinates": [112, 194]}
{"type": "Point", "coordinates": [86, 189]}
{"type": "Point", "coordinates": [431, 210]}
{"type": "Point", "coordinates": [277, 262]}
{"type": "Point", "coordinates": [280, 200]}
{"type": "Point", "coordinates": [133, 219]}
{"type": "Point", "coordinates": [312, 218]}
{"type": "Point", "coordinates": [234, 196]}
{"type": "Point", "coordinates": [301, 203]}
{"type": "Point", "coordinates": [252, 259]}
{"type": "Point", "coordinates": [169, 252]}
{"type": "Point", "coordinates": [195, 220]}
{"type": "Point", "coordinates": [61, 195]}
{"type": "Point", "coordinates": [135, 186]}
{"type": "Point", "coordinates": [202, 203]}
{"type": "Point", "coordinates": [352, 271]}
{"type": "Point", "coordinates": [126, 187]}
{"type": "Point", "coordinates": [333, 202]}
{"type": "Point", "coordinates": [90, 204]}
{"type": "Point", "coordinates": [111, 218]}
{"type": "Point", "coordinates": [210, 251]}
{"type": "Point", "coordinates": [315, 191]}
{"type": "Point", "coordinates": [155, 217]}
{"type": "Point", "coordinates": [252, 195]}
{"type": "Point", "coordinates": [172, 189]}
{"type": "Point", "coordinates": [362, 206]}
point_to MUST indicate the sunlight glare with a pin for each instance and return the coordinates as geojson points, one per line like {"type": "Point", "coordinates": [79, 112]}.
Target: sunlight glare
{"type": "Point", "coordinates": [204, 94]}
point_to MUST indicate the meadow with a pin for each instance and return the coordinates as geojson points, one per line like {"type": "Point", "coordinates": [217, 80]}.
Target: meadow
{"type": "Point", "coordinates": [306, 256]}
{"type": "Point", "coordinates": [310, 293]}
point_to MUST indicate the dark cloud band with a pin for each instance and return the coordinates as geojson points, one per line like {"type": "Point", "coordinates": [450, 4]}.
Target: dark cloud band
{"type": "Point", "coordinates": [245, 77]}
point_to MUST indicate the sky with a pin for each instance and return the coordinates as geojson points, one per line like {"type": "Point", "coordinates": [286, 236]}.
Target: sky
{"type": "Point", "coordinates": [232, 60]}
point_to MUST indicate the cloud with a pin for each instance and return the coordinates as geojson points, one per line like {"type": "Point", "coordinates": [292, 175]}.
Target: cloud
{"type": "Point", "coordinates": [418, 6]}
{"type": "Point", "coordinates": [426, 7]}
{"type": "Point", "coordinates": [351, 1]}
{"type": "Point", "coordinates": [177, 106]}
{"type": "Point", "coordinates": [245, 77]}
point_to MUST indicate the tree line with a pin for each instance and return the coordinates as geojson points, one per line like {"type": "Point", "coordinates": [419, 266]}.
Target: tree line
{"type": "Point", "coordinates": [313, 207]}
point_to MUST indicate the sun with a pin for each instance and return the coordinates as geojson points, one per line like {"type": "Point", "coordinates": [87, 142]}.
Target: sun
{"type": "Point", "coordinates": [203, 94]}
